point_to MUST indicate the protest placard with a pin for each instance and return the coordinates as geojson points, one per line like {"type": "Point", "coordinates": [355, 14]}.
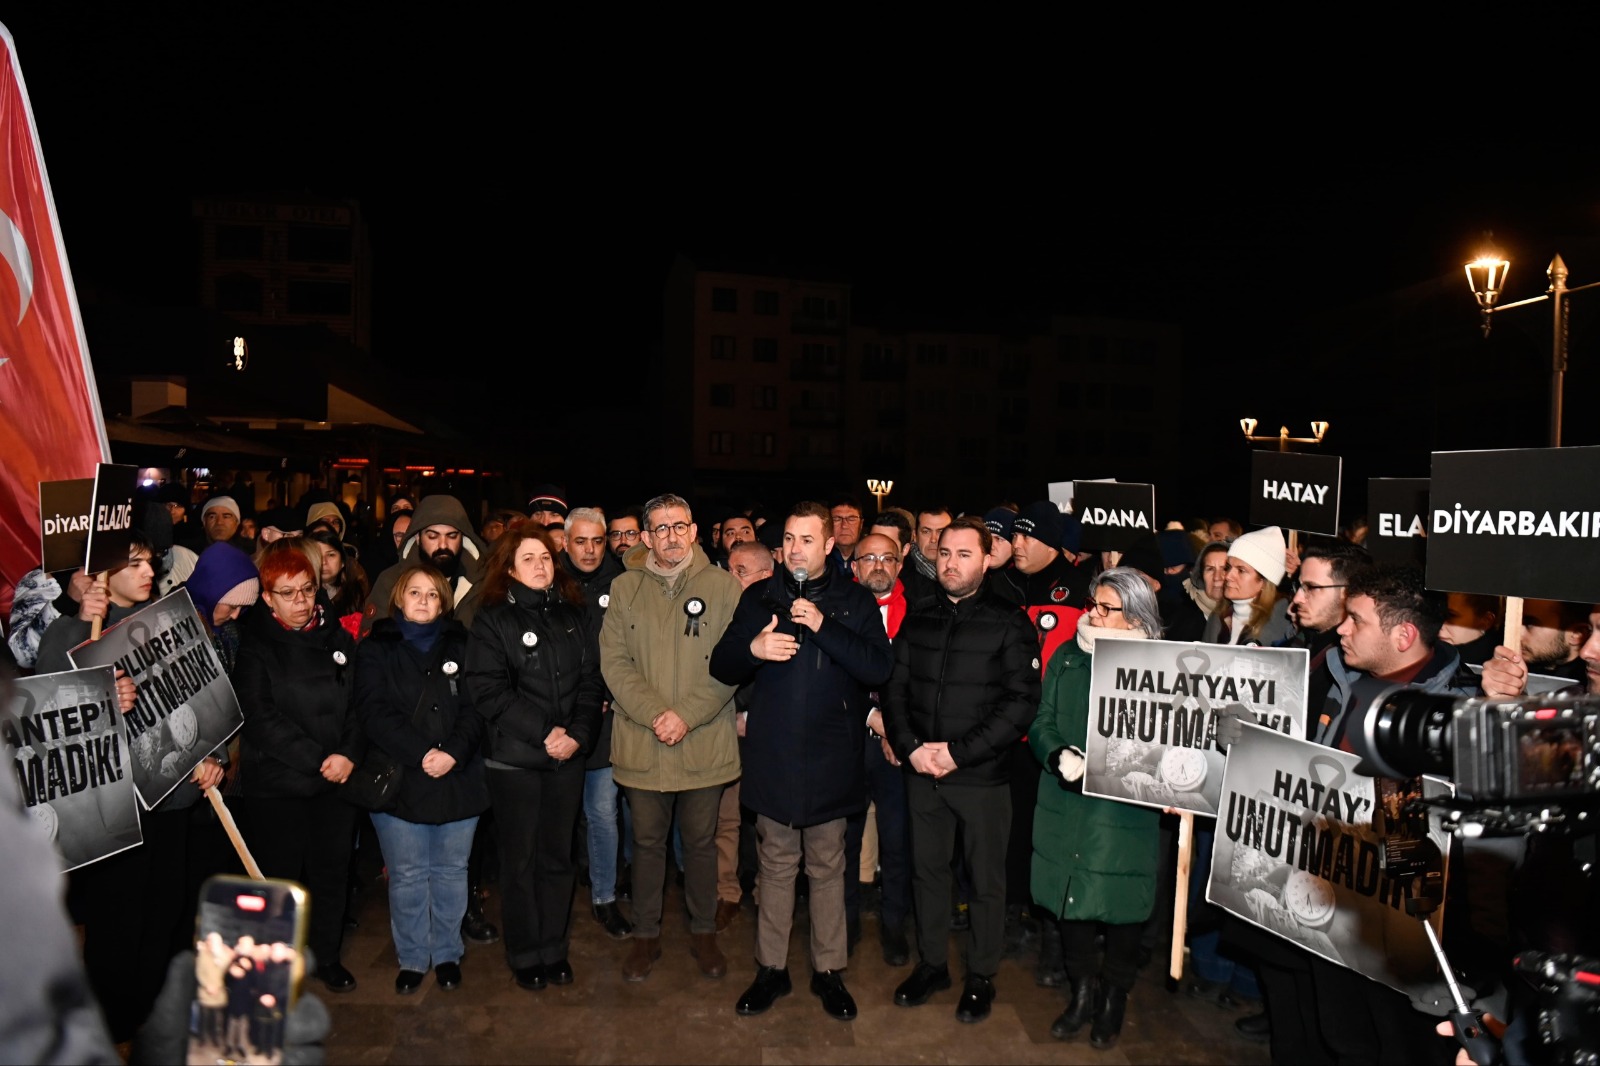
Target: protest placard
{"type": "Point", "coordinates": [1295, 490]}
{"type": "Point", "coordinates": [64, 523]}
{"type": "Point", "coordinates": [1153, 712]}
{"type": "Point", "coordinates": [72, 765]}
{"type": "Point", "coordinates": [1397, 520]}
{"type": "Point", "coordinates": [1519, 522]}
{"type": "Point", "coordinates": [1114, 514]}
{"type": "Point", "coordinates": [186, 706]}
{"type": "Point", "coordinates": [110, 517]}
{"type": "Point", "coordinates": [1297, 854]}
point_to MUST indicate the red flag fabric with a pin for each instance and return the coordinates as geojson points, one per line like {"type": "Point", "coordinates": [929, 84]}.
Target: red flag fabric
{"type": "Point", "coordinates": [51, 427]}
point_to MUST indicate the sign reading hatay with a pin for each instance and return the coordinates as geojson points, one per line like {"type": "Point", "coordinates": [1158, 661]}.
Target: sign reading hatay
{"type": "Point", "coordinates": [51, 428]}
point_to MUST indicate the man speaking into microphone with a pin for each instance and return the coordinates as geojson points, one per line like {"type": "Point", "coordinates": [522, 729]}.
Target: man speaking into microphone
{"type": "Point", "coordinates": [813, 643]}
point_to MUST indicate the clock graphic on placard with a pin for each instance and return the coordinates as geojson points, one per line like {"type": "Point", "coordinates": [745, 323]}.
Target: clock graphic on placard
{"type": "Point", "coordinates": [1184, 768]}
{"type": "Point", "coordinates": [1309, 898]}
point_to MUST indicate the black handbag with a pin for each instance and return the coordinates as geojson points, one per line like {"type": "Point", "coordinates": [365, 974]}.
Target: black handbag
{"type": "Point", "coordinates": [375, 784]}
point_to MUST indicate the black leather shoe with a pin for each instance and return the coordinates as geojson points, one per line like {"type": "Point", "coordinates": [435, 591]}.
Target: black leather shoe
{"type": "Point", "coordinates": [531, 977]}
{"type": "Point", "coordinates": [896, 951]}
{"type": "Point", "coordinates": [771, 984]}
{"type": "Point", "coordinates": [336, 978]}
{"type": "Point", "coordinates": [617, 927]}
{"type": "Point", "coordinates": [1110, 1004]}
{"type": "Point", "coordinates": [1078, 1013]}
{"type": "Point", "coordinates": [478, 929]}
{"type": "Point", "coordinates": [558, 973]}
{"type": "Point", "coordinates": [449, 975]}
{"type": "Point", "coordinates": [1256, 1027]}
{"type": "Point", "coordinates": [828, 986]}
{"type": "Point", "coordinates": [1051, 970]}
{"type": "Point", "coordinates": [924, 981]}
{"type": "Point", "coordinates": [977, 996]}
{"type": "Point", "coordinates": [408, 981]}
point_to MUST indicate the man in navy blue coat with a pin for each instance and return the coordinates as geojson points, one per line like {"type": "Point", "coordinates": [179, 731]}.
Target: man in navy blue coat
{"type": "Point", "coordinates": [813, 643]}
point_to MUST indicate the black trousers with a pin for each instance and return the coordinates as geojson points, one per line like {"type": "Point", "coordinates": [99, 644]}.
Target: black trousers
{"type": "Point", "coordinates": [1022, 775]}
{"type": "Point", "coordinates": [983, 813]}
{"type": "Point", "coordinates": [538, 811]}
{"type": "Point", "coordinates": [308, 840]}
{"type": "Point", "coordinates": [1119, 968]}
{"type": "Point", "coordinates": [135, 909]}
{"type": "Point", "coordinates": [886, 787]}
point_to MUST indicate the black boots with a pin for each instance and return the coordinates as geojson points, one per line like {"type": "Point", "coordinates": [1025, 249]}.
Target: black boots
{"type": "Point", "coordinates": [1072, 1020]}
{"type": "Point", "coordinates": [474, 926]}
{"type": "Point", "coordinates": [1051, 971]}
{"type": "Point", "coordinates": [1110, 1004]}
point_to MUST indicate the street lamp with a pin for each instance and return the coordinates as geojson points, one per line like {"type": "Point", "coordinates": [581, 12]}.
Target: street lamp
{"type": "Point", "coordinates": [1487, 276]}
{"type": "Point", "coordinates": [1318, 431]}
{"type": "Point", "coordinates": [879, 489]}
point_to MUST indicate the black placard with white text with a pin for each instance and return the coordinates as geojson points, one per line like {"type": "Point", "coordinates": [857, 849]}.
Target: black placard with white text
{"type": "Point", "coordinates": [1516, 522]}
{"type": "Point", "coordinates": [1114, 514]}
{"type": "Point", "coordinates": [1295, 490]}
{"type": "Point", "coordinates": [111, 517]}
{"type": "Point", "coordinates": [64, 523]}
{"type": "Point", "coordinates": [1397, 520]}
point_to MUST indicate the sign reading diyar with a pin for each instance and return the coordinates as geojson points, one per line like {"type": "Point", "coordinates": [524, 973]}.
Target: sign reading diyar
{"type": "Point", "coordinates": [1154, 707]}
{"type": "Point", "coordinates": [64, 523]}
{"type": "Point", "coordinates": [1397, 509]}
{"type": "Point", "coordinates": [1295, 490]}
{"type": "Point", "coordinates": [1519, 522]}
{"type": "Point", "coordinates": [1114, 514]}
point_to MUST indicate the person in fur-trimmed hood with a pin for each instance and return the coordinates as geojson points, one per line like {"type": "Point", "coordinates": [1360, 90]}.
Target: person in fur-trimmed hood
{"type": "Point", "coordinates": [442, 533]}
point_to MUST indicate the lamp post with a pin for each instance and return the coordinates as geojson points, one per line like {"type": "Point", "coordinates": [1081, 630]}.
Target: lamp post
{"type": "Point", "coordinates": [1487, 277]}
{"type": "Point", "coordinates": [1318, 430]}
{"type": "Point", "coordinates": [879, 489]}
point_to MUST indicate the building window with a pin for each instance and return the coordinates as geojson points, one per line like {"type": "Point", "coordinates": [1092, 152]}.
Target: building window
{"type": "Point", "coordinates": [1018, 363]}
{"type": "Point", "coordinates": [819, 354]}
{"type": "Point", "coordinates": [239, 242]}
{"type": "Point", "coordinates": [1067, 348]}
{"type": "Point", "coordinates": [1097, 348]}
{"type": "Point", "coordinates": [764, 444]}
{"type": "Point", "coordinates": [239, 292]}
{"type": "Point", "coordinates": [1095, 399]}
{"type": "Point", "coordinates": [767, 398]}
{"type": "Point", "coordinates": [724, 299]}
{"type": "Point", "coordinates": [973, 357]}
{"type": "Point", "coordinates": [819, 308]}
{"type": "Point", "coordinates": [722, 396]}
{"type": "Point", "coordinates": [1067, 395]}
{"type": "Point", "coordinates": [932, 354]}
{"type": "Point", "coordinates": [1013, 407]}
{"type": "Point", "coordinates": [722, 443]}
{"type": "Point", "coordinates": [319, 297]}
{"type": "Point", "coordinates": [766, 302]}
{"type": "Point", "coordinates": [723, 347]}
{"type": "Point", "coordinates": [319, 244]}
{"type": "Point", "coordinates": [764, 349]}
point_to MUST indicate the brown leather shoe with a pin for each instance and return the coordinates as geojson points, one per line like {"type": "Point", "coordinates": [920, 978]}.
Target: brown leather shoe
{"type": "Point", "coordinates": [727, 911]}
{"type": "Point", "coordinates": [703, 946]}
{"type": "Point", "coordinates": [642, 955]}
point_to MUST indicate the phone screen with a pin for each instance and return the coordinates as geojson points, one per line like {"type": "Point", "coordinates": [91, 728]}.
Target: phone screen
{"type": "Point", "coordinates": [249, 962]}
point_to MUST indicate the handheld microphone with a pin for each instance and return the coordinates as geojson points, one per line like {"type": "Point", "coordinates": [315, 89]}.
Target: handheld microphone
{"type": "Point", "coordinates": [801, 575]}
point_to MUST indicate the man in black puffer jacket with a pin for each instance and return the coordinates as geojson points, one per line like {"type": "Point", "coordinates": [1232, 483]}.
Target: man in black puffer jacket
{"type": "Point", "coordinates": [814, 642]}
{"type": "Point", "coordinates": [965, 687]}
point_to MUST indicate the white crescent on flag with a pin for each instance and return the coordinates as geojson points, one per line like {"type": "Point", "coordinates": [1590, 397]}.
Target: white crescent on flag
{"type": "Point", "coordinates": [14, 249]}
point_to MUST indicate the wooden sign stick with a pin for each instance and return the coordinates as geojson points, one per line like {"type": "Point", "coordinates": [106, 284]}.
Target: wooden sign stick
{"type": "Point", "coordinates": [100, 581]}
{"type": "Point", "coordinates": [226, 816]}
{"type": "Point", "coordinates": [1180, 898]}
{"type": "Point", "coordinates": [1294, 541]}
{"type": "Point", "coordinates": [1513, 634]}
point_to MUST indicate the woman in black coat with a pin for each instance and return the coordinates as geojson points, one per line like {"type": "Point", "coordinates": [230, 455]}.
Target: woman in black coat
{"type": "Point", "coordinates": [295, 677]}
{"type": "Point", "coordinates": [413, 705]}
{"type": "Point", "coordinates": [533, 670]}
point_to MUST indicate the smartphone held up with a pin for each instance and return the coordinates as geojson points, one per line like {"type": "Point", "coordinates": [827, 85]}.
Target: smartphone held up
{"type": "Point", "coordinates": [249, 965]}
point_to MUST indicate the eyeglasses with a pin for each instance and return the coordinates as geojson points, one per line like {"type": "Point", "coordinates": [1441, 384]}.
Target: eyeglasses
{"type": "Point", "coordinates": [871, 560]}
{"type": "Point", "coordinates": [623, 534]}
{"type": "Point", "coordinates": [292, 595]}
{"type": "Point", "coordinates": [680, 528]}
{"type": "Point", "coordinates": [847, 520]}
{"type": "Point", "coordinates": [1296, 585]}
{"type": "Point", "coordinates": [1096, 607]}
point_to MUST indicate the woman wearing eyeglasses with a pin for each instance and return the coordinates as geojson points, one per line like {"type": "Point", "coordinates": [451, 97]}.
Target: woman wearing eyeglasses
{"type": "Point", "coordinates": [533, 672]}
{"type": "Point", "coordinates": [1094, 860]}
{"type": "Point", "coordinates": [1251, 611]}
{"type": "Point", "coordinates": [295, 678]}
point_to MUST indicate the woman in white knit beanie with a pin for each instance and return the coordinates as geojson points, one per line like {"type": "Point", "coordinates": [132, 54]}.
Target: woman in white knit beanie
{"type": "Point", "coordinates": [1251, 611]}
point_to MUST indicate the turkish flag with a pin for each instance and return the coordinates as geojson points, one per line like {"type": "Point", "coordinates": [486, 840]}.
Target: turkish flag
{"type": "Point", "coordinates": [51, 428]}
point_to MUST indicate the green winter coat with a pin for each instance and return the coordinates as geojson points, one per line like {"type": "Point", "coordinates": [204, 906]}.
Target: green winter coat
{"type": "Point", "coordinates": [1093, 859]}
{"type": "Point", "coordinates": [653, 661]}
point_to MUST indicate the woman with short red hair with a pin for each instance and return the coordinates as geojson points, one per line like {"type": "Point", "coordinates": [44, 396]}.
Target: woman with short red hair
{"type": "Point", "coordinates": [295, 678]}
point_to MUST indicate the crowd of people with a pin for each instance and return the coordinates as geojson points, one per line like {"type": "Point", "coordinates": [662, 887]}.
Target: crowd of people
{"type": "Point", "coordinates": [876, 711]}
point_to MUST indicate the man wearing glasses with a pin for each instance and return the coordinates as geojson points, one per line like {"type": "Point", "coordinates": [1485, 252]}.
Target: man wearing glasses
{"type": "Point", "coordinates": [624, 530]}
{"type": "Point", "coordinates": [1319, 606]}
{"type": "Point", "coordinates": [846, 514]}
{"type": "Point", "coordinates": [673, 743]}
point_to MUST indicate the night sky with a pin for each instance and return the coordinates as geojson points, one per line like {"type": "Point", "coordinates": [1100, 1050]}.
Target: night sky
{"type": "Point", "coordinates": [518, 207]}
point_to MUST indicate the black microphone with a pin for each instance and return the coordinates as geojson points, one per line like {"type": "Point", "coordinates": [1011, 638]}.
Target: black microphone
{"type": "Point", "coordinates": [800, 576]}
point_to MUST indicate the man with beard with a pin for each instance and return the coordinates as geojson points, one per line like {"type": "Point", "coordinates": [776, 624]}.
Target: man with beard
{"type": "Point", "coordinates": [964, 690]}
{"type": "Point", "coordinates": [442, 534]}
{"type": "Point", "coordinates": [594, 568]}
{"type": "Point", "coordinates": [623, 530]}
{"type": "Point", "coordinates": [1552, 633]}
{"type": "Point", "coordinates": [803, 745]}
{"type": "Point", "coordinates": [736, 529]}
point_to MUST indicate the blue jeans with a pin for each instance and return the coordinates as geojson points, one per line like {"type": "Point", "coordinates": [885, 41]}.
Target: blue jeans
{"type": "Point", "coordinates": [600, 808]}
{"type": "Point", "coordinates": [427, 887]}
{"type": "Point", "coordinates": [1210, 964]}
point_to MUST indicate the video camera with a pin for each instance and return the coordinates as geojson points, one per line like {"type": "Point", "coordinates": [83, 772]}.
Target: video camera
{"type": "Point", "coordinates": [1517, 763]}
